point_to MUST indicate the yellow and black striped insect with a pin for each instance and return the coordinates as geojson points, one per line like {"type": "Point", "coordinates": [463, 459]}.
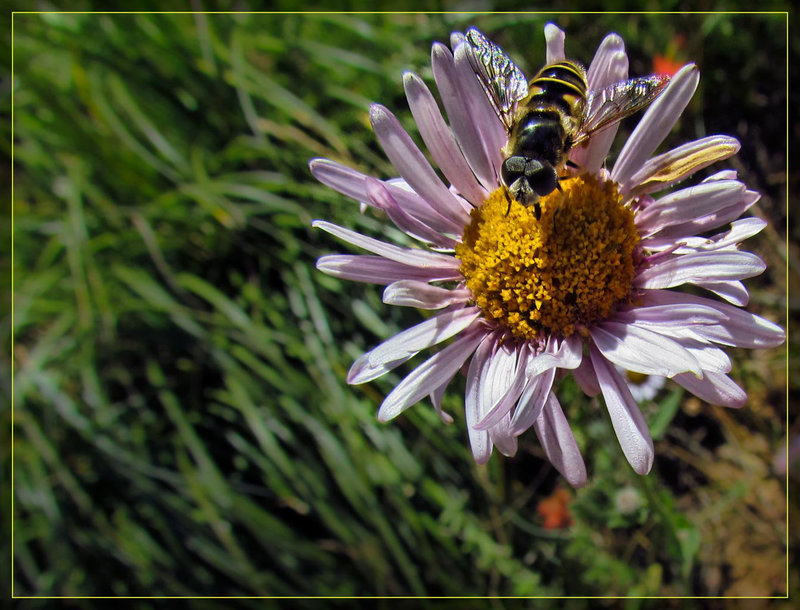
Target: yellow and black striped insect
{"type": "Point", "coordinates": [548, 116]}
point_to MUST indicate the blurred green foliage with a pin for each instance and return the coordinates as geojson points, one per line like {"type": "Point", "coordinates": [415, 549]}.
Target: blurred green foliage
{"type": "Point", "coordinates": [181, 422]}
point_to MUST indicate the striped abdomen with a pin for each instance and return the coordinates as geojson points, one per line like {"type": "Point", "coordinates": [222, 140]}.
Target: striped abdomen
{"type": "Point", "coordinates": [561, 84]}
{"type": "Point", "coordinates": [549, 116]}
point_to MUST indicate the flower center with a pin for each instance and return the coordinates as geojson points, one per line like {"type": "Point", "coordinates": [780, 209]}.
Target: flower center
{"type": "Point", "coordinates": [558, 273]}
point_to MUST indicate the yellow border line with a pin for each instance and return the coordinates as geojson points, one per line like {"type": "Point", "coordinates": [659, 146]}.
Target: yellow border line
{"type": "Point", "coordinates": [786, 344]}
{"type": "Point", "coordinates": [13, 514]}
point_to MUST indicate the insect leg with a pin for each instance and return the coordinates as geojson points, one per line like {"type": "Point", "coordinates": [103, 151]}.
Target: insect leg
{"type": "Point", "coordinates": [505, 192]}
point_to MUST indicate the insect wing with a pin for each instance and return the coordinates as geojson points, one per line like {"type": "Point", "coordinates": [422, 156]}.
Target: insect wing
{"type": "Point", "coordinates": [618, 101]}
{"type": "Point", "coordinates": [503, 81]}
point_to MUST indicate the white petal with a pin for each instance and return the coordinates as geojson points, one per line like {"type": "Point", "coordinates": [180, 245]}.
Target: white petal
{"type": "Point", "coordinates": [643, 351]}
{"type": "Point", "coordinates": [714, 388]}
{"type": "Point", "coordinates": [378, 270]}
{"type": "Point", "coordinates": [554, 36]}
{"type": "Point", "coordinates": [627, 419]}
{"type": "Point", "coordinates": [407, 256]}
{"type": "Point", "coordinates": [741, 329]}
{"type": "Point", "coordinates": [532, 401]}
{"type": "Point", "coordinates": [405, 345]}
{"type": "Point", "coordinates": [732, 291]}
{"type": "Point", "coordinates": [559, 444]}
{"type": "Point", "coordinates": [474, 401]}
{"type": "Point", "coordinates": [411, 293]}
{"type": "Point", "coordinates": [586, 379]}
{"type": "Point", "coordinates": [689, 204]}
{"type": "Point", "coordinates": [703, 266]}
{"type": "Point", "coordinates": [511, 395]}
{"type": "Point", "coordinates": [429, 375]}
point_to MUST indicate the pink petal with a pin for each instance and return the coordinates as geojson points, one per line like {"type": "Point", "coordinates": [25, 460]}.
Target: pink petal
{"type": "Point", "coordinates": [353, 184]}
{"type": "Point", "coordinates": [405, 345]}
{"type": "Point", "coordinates": [440, 141]}
{"type": "Point", "coordinates": [554, 37]}
{"type": "Point", "coordinates": [414, 167]}
{"type": "Point", "coordinates": [609, 66]}
{"type": "Point", "coordinates": [671, 167]}
{"type": "Point", "coordinates": [656, 123]}
{"type": "Point", "coordinates": [340, 178]}
{"type": "Point", "coordinates": [501, 437]}
{"type": "Point", "coordinates": [629, 425]}
{"type": "Point", "coordinates": [677, 322]}
{"type": "Point", "coordinates": [689, 204]}
{"type": "Point", "coordinates": [678, 315]}
{"type": "Point", "coordinates": [586, 379]}
{"type": "Point", "coordinates": [408, 256]}
{"type": "Point", "coordinates": [411, 293]}
{"type": "Point", "coordinates": [740, 230]}
{"type": "Point", "coordinates": [703, 266]}
{"type": "Point", "coordinates": [725, 174]}
{"type": "Point", "coordinates": [644, 351]}
{"type": "Point", "coordinates": [732, 291]}
{"type": "Point", "coordinates": [570, 352]}
{"type": "Point", "coordinates": [714, 388]}
{"type": "Point", "coordinates": [378, 270]}
{"type": "Point", "coordinates": [456, 38]}
{"type": "Point", "coordinates": [436, 399]}
{"type": "Point", "coordinates": [532, 401]}
{"type": "Point", "coordinates": [711, 359]}
{"type": "Point", "coordinates": [493, 135]}
{"type": "Point", "coordinates": [741, 329]}
{"type": "Point", "coordinates": [559, 444]}
{"type": "Point", "coordinates": [709, 222]}
{"type": "Point", "coordinates": [380, 196]}
{"type": "Point", "coordinates": [429, 375]}
{"type": "Point", "coordinates": [448, 83]}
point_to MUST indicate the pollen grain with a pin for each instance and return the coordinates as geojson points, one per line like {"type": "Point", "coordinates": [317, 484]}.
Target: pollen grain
{"type": "Point", "coordinates": [556, 274]}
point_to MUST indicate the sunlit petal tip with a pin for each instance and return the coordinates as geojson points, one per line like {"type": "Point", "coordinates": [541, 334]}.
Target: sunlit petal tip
{"type": "Point", "coordinates": [440, 53]}
{"type": "Point", "coordinates": [378, 113]}
{"type": "Point", "coordinates": [554, 37]}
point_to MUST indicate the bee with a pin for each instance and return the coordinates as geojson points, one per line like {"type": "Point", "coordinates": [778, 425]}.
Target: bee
{"type": "Point", "coordinates": [550, 115]}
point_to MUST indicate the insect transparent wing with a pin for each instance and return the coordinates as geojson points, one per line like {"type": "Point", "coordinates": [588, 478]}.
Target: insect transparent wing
{"type": "Point", "coordinates": [617, 101]}
{"type": "Point", "coordinates": [503, 81]}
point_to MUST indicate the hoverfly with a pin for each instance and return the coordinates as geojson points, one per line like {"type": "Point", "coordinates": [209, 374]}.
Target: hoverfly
{"type": "Point", "coordinates": [548, 116]}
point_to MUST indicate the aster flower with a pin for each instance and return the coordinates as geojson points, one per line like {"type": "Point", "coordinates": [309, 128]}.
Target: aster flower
{"type": "Point", "coordinates": [583, 286]}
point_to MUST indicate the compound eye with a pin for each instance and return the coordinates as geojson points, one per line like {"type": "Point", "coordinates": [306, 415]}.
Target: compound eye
{"type": "Point", "coordinates": [543, 179]}
{"type": "Point", "coordinates": [512, 168]}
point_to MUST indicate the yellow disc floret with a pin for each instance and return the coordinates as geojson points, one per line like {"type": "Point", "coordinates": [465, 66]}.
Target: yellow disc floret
{"type": "Point", "coordinates": [552, 275]}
